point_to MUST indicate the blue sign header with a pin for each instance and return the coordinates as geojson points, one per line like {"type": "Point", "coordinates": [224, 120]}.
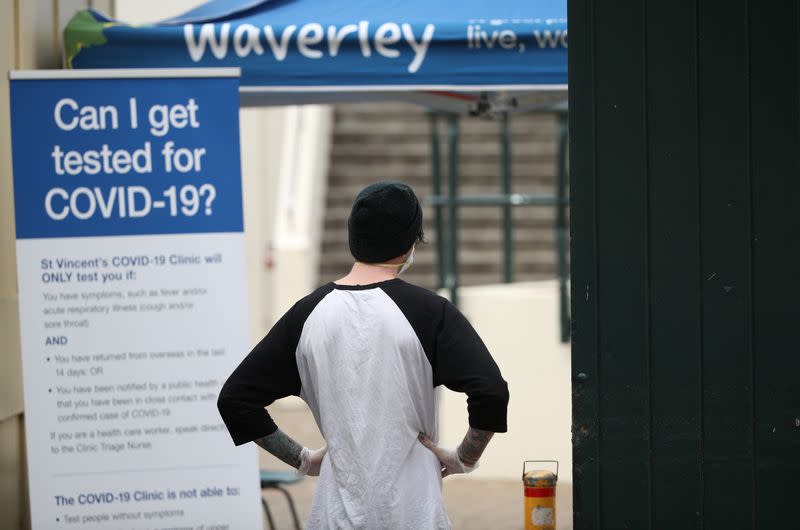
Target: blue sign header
{"type": "Point", "coordinates": [125, 156]}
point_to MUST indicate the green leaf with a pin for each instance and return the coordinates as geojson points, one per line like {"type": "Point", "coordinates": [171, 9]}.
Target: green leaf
{"type": "Point", "coordinates": [82, 31]}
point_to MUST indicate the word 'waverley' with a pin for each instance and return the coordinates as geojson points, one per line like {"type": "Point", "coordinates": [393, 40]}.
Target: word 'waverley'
{"type": "Point", "coordinates": [312, 40]}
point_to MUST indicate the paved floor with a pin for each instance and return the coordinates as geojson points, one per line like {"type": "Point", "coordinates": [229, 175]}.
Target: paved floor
{"type": "Point", "coordinates": [471, 504]}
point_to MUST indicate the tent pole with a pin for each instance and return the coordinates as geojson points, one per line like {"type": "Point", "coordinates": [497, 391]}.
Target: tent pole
{"type": "Point", "coordinates": [561, 226]}
{"type": "Point", "coordinates": [436, 167]}
{"type": "Point", "coordinates": [452, 206]}
{"type": "Point", "coordinates": [505, 161]}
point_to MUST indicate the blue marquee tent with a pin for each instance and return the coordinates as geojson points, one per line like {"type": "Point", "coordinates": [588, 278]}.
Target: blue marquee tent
{"type": "Point", "coordinates": [293, 51]}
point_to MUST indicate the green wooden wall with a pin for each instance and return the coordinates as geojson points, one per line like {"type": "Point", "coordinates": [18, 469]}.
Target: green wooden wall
{"type": "Point", "coordinates": [685, 214]}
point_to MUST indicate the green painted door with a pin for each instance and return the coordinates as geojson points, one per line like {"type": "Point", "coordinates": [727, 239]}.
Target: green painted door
{"type": "Point", "coordinates": [685, 234]}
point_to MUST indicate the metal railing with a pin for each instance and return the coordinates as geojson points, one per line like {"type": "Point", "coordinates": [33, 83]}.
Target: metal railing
{"type": "Point", "coordinates": [446, 206]}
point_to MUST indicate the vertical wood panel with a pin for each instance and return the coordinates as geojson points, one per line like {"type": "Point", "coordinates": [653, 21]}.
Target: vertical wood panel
{"type": "Point", "coordinates": [725, 226]}
{"type": "Point", "coordinates": [11, 473]}
{"type": "Point", "coordinates": [12, 463]}
{"type": "Point", "coordinates": [775, 148]}
{"type": "Point", "coordinates": [8, 280]}
{"type": "Point", "coordinates": [65, 9]}
{"type": "Point", "coordinates": [104, 6]}
{"type": "Point", "coordinates": [675, 340]}
{"type": "Point", "coordinates": [10, 358]}
{"type": "Point", "coordinates": [38, 46]}
{"type": "Point", "coordinates": [706, 360]}
{"type": "Point", "coordinates": [622, 265]}
{"type": "Point", "coordinates": [583, 284]}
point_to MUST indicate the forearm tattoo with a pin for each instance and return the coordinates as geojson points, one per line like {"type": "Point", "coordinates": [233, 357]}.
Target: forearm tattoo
{"type": "Point", "coordinates": [280, 445]}
{"type": "Point", "coordinates": [472, 446]}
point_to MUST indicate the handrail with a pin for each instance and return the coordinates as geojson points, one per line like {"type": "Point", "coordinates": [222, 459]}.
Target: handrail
{"type": "Point", "coordinates": [513, 199]}
{"type": "Point", "coordinates": [505, 183]}
{"type": "Point", "coordinates": [447, 230]}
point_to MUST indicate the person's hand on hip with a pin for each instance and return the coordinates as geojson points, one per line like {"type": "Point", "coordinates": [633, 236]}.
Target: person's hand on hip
{"type": "Point", "coordinates": [448, 458]}
{"type": "Point", "coordinates": [311, 460]}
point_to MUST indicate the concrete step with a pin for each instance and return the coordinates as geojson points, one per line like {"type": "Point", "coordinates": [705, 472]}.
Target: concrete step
{"type": "Point", "coordinates": [468, 258]}
{"type": "Point", "coordinates": [409, 170]}
{"type": "Point", "coordinates": [412, 116]}
{"type": "Point", "coordinates": [429, 280]}
{"type": "Point", "coordinates": [349, 145]}
{"type": "Point", "coordinates": [337, 270]}
{"type": "Point", "coordinates": [489, 237]}
{"type": "Point", "coordinates": [345, 192]}
{"type": "Point", "coordinates": [524, 216]}
{"type": "Point", "coordinates": [401, 127]}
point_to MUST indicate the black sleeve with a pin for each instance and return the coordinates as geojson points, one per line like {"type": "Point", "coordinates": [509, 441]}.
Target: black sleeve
{"type": "Point", "coordinates": [458, 356]}
{"type": "Point", "coordinates": [463, 364]}
{"type": "Point", "coordinates": [268, 373]}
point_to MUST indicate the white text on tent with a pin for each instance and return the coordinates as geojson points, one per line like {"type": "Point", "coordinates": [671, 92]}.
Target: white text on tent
{"type": "Point", "coordinates": [310, 38]}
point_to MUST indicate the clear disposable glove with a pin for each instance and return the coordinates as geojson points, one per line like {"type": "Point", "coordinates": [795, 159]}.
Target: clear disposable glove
{"type": "Point", "coordinates": [311, 460]}
{"type": "Point", "coordinates": [448, 458]}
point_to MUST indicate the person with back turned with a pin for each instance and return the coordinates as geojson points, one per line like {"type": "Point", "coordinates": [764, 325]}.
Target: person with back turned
{"type": "Point", "coordinates": [365, 353]}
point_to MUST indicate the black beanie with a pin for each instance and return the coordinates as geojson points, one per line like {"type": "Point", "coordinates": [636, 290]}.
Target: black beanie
{"type": "Point", "coordinates": [385, 221]}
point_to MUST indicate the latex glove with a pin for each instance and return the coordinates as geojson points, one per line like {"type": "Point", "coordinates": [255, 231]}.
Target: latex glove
{"type": "Point", "coordinates": [448, 458]}
{"type": "Point", "coordinates": [311, 460]}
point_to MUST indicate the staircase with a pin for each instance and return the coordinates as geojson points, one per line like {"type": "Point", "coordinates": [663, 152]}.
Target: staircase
{"type": "Point", "coordinates": [392, 142]}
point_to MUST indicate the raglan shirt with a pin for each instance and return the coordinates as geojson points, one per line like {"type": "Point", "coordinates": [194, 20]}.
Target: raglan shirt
{"type": "Point", "coordinates": [366, 360]}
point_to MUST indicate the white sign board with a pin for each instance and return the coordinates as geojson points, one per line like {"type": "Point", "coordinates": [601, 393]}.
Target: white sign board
{"type": "Point", "coordinates": [130, 260]}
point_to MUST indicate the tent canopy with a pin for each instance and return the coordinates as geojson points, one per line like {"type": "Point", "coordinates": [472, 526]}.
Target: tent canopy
{"type": "Point", "coordinates": [323, 50]}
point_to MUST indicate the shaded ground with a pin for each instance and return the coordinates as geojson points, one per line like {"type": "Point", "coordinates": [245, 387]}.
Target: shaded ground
{"type": "Point", "coordinates": [471, 504]}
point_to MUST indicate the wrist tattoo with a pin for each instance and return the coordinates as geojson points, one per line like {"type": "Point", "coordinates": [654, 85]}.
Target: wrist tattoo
{"type": "Point", "coordinates": [281, 445]}
{"type": "Point", "coordinates": [471, 448]}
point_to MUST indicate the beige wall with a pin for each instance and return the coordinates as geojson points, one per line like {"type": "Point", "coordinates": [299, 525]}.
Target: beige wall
{"type": "Point", "coordinates": [300, 204]}
{"type": "Point", "coordinates": [520, 325]}
{"type": "Point", "coordinates": [261, 142]}
{"type": "Point", "coordinates": [146, 11]}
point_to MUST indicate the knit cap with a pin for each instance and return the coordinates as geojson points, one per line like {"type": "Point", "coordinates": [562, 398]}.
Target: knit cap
{"type": "Point", "coordinates": [385, 221]}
